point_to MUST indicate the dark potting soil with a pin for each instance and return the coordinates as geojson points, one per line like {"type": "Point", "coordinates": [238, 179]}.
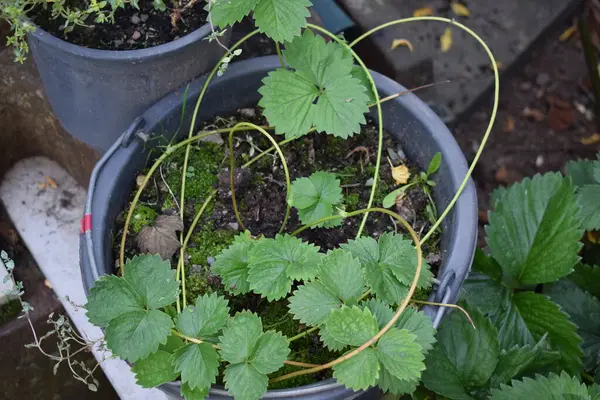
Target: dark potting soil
{"type": "Point", "coordinates": [261, 198]}
{"type": "Point", "coordinates": [133, 28]}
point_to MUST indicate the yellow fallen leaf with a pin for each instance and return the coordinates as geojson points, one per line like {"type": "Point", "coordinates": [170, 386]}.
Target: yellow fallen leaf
{"type": "Point", "coordinates": [446, 40]}
{"type": "Point", "coordinates": [593, 139]}
{"type": "Point", "coordinates": [400, 174]}
{"type": "Point", "coordinates": [592, 237]}
{"type": "Point", "coordinates": [423, 12]}
{"type": "Point", "coordinates": [568, 33]}
{"type": "Point", "coordinates": [460, 9]}
{"type": "Point", "coordinates": [51, 182]}
{"type": "Point", "coordinates": [402, 42]}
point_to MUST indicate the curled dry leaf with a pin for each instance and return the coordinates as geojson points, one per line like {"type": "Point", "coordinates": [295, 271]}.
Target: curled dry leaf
{"type": "Point", "coordinates": [460, 9]}
{"type": "Point", "coordinates": [446, 40]}
{"type": "Point", "coordinates": [568, 33]}
{"type": "Point", "coordinates": [509, 124]}
{"type": "Point", "coordinates": [401, 42]}
{"type": "Point", "coordinates": [400, 174]}
{"type": "Point", "coordinates": [161, 238]}
{"type": "Point", "coordinates": [560, 118]}
{"type": "Point", "coordinates": [423, 12]}
{"type": "Point", "coordinates": [590, 140]}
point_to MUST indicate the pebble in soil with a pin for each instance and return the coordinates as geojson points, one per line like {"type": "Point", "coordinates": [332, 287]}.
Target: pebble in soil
{"type": "Point", "coordinates": [261, 197]}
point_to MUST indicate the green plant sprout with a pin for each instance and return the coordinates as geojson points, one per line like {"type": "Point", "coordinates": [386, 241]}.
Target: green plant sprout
{"type": "Point", "coordinates": [357, 296]}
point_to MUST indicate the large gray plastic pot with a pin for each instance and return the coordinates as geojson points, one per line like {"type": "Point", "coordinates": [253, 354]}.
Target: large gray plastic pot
{"type": "Point", "coordinates": [97, 93]}
{"type": "Point", "coordinates": [417, 128]}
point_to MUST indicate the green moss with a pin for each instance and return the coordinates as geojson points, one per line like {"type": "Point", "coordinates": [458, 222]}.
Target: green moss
{"type": "Point", "coordinates": [9, 311]}
{"type": "Point", "coordinates": [203, 166]}
{"type": "Point", "coordinates": [349, 174]}
{"type": "Point", "coordinates": [208, 242]}
{"type": "Point", "coordinates": [142, 216]}
{"type": "Point", "coordinates": [352, 201]}
{"type": "Point", "coordinates": [422, 294]}
{"type": "Point", "coordinates": [201, 282]}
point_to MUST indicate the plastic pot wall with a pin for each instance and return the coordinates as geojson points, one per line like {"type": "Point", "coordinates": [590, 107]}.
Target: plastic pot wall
{"type": "Point", "coordinates": [97, 93]}
{"type": "Point", "coordinates": [416, 127]}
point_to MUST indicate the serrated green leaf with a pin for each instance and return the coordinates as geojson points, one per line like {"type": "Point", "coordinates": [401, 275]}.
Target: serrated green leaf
{"type": "Point", "coordinates": [244, 382]}
{"type": "Point", "coordinates": [154, 370]}
{"type": "Point", "coordinates": [270, 352]}
{"type": "Point", "coordinates": [240, 336]}
{"type": "Point", "coordinates": [275, 263]}
{"type": "Point", "coordinates": [193, 394]}
{"type": "Point", "coordinates": [351, 325]}
{"type": "Point", "coordinates": [228, 12]}
{"type": "Point", "coordinates": [152, 279]}
{"type": "Point", "coordinates": [329, 341]}
{"type": "Point", "coordinates": [198, 365]}
{"type": "Point", "coordinates": [389, 383]}
{"type": "Point", "coordinates": [342, 275]}
{"type": "Point", "coordinates": [208, 316]}
{"type": "Point", "coordinates": [524, 318]}
{"type": "Point", "coordinates": [320, 93]}
{"type": "Point", "coordinates": [315, 197]}
{"type": "Point", "coordinates": [486, 265]}
{"type": "Point", "coordinates": [553, 387]}
{"type": "Point", "coordinates": [390, 265]}
{"type": "Point", "coordinates": [513, 362]}
{"type": "Point", "coordinates": [400, 354]}
{"type": "Point", "coordinates": [359, 74]}
{"type": "Point", "coordinates": [359, 372]}
{"type": "Point", "coordinates": [582, 172]}
{"type": "Point", "coordinates": [434, 164]}
{"type": "Point", "coordinates": [588, 198]}
{"type": "Point", "coordinates": [587, 277]}
{"type": "Point", "coordinates": [110, 298]}
{"type": "Point", "coordinates": [232, 265]}
{"type": "Point", "coordinates": [281, 20]}
{"type": "Point", "coordinates": [594, 391]}
{"type": "Point", "coordinates": [137, 334]}
{"type": "Point", "coordinates": [312, 303]}
{"type": "Point", "coordinates": [463, 358]}
{"type": "Point", "coordinates": [583, 310]}
{"type": "Point", "coordinates": [414, 321]}
{"type": "Point", "coordinates": [173, 343]}
{"type": "Point", "coordinates": [534, 231]}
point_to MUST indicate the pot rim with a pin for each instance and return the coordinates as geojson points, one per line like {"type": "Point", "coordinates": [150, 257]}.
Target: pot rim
{"type": "Point", "coordinates": [162, 50]}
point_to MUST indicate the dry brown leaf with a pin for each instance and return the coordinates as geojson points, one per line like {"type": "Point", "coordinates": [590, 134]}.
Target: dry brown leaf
{"type": "Point", "coordinates": [483, 216]}
{"type": "Point", "coordinates": [590, 140]}
{"type": "Point", "coordinates": [423, 12]}
{"type": "Point", "coordinates": [566, 35]}
{"type": "Point", "coordinates": [400, 174]}
{"type": "Point", "coordinates": [51, 182]}
{"type": "Point", "coordinates": [533, 113]}
{"type": "Point", "coordinates": [402, 42]}
{"type": "Point", "coordinates": [446, 40]}
{"type": "Point", "coordinates": [509, 124]}
{"type": "Point", "coordinates": [161, 238]}
{"type": "Point", "coordinates": [139, 180]}
{"type": "Point", "coordinates": [460, 9]}
{"type": "Point", "coordinates": [593, 237]}
{"type": "Point", "coordinates": [560, 119]}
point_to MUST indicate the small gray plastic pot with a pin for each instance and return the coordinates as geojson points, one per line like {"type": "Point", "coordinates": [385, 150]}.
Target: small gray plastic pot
{"type": "Point", "coordinates": [415, 126]}
{"type": "Point", "coordinates": [95, 94]}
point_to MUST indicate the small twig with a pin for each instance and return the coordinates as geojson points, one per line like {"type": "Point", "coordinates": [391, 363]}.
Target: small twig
{"type": "Point", "coordinates": [431, 303]}
{"type": "Point", "coordinates": [351, 185]}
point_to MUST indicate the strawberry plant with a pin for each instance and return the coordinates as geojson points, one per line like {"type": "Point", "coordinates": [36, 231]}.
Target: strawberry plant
{"type": "Point", "coordinates": [534, 300]}
{"type": "Point", "coordinates": [358, 296]}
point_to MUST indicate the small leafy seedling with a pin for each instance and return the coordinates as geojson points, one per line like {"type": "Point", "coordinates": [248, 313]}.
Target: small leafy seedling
{"type": "Point", "coordinates": [317, 197]}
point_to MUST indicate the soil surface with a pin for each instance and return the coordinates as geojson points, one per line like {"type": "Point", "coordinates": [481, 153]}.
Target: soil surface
{"type": "Point", "coordinates": [133, 28]}
{"type": "Point", "coordinates": [545, 119]}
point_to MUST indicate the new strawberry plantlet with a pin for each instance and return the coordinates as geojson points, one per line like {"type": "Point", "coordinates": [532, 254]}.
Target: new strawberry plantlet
{"type": "Point", "coordinates": [358, 293]}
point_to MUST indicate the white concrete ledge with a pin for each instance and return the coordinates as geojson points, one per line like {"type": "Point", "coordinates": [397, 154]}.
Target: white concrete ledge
{"type": "Point", "coordinates": [47, 219]}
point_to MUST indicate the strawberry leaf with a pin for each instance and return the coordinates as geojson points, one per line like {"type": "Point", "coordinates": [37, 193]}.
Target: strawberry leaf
{"type": "Point", "coordinates": [154, 370]}
{"type": "Point", "coordinates": [232, 264]}
{"type": "Point", "coordinates": [281, 20]}
{"type": "Point", "coordinates": [556, 387]}
{"type": "Point", "coordinates": [359, 372]}
{"type": "Point", "coordinates": [252, 355]}
{"type": "Point", "coordinates": [208, 316]}
{"type": "Point", "coordinates": [587, 277]}
{"type": "Point", "coordinates": [534, 231]}
{"type": "Point", "coordinates": [228, 12]}
{"type": "Point", "coordinates": [193, 394]}
{"type": "Point", "coordinates": [276, 263]}
{"type": "Point", "coordinates": [390, 265]}
{"type": "Point", "coordinates": [315, 197]}
{"type": "Point", "coordinates": [399, 352]}
{"type": "Point", "coordinates": [351, 325]}
{"type": "Point", "coordinates": [312, 303]}
{"type": "Point", "coordinates": [127, 306]}
{"type": "Point", "coordinates": [198, 365]}
{"type": "Point", "coordinates": [321, 92]}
